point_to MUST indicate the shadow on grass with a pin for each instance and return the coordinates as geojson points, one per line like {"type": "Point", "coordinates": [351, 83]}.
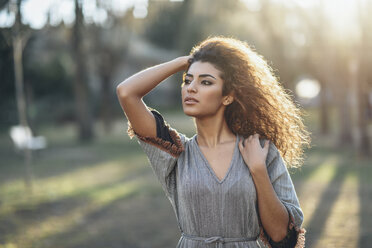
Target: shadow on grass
{"type": "Point", "coordinates": [25, 216]}
{"type": "Point", "coordinates": [347, 165]}
{"type": "Point", "coordinates": [316, 158]}
{"type": "Point", "coordinates": [328, 198]}
{"type": "Point", "coordinates": [365, 201]}
{"type": "Point", "coordinates": [143, 219]}
{"type": "Point", "coordinates": [323, 210]}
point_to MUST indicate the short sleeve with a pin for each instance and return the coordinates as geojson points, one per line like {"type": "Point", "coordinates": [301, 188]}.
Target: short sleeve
{"type": "Point", "coordinates": [162, 152]}
{"type": "Point", "coordinates": [284, 188]}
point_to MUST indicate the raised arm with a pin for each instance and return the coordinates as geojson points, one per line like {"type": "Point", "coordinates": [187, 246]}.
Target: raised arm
{"type": "Point", "coordinates": [131, 91]}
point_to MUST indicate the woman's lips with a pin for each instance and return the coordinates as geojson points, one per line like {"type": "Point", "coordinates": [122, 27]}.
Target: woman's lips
{"type": "Point", "coordinates": [190, 100]}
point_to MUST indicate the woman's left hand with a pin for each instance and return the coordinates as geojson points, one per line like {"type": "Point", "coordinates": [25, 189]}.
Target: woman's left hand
{"type": "Point", "coordinates": [253, 154]}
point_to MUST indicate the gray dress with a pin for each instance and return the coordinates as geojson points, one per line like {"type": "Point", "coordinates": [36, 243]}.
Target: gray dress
{"type": "Point", "coordinates": [212, 212]}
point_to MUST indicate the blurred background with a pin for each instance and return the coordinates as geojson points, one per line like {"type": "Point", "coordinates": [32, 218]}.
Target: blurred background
{"type": "Point", "coordinates": [71, 177]}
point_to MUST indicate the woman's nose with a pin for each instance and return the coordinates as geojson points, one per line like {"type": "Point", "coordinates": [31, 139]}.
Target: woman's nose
{"type": "Point", "coordinates": [191, 87]}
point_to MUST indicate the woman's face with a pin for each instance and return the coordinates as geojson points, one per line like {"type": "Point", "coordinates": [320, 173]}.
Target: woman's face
{"type": "Point", "coordinates": [202, 90]}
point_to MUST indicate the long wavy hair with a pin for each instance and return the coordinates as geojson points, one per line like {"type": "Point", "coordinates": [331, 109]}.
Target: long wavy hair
{"type": "Point", "coordinates": [261, 104]}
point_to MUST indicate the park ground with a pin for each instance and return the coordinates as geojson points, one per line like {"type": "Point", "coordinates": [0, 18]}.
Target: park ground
{"type": "Point", "coordinates": [105, 195]}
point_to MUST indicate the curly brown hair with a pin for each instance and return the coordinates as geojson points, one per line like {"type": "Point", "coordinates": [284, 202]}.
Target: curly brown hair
{"type": "Point", "coordinates": [261, 104]}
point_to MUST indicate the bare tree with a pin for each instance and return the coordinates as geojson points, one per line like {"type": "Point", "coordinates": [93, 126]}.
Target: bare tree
{"type": "Point", "coordinates": [343, 97]}
{"type": "Point", "coordinates": [362, 86]}
{"type": "Point", "coordinates": [19, 39]}
{"type": "Point", "coordinates": [81, 89]}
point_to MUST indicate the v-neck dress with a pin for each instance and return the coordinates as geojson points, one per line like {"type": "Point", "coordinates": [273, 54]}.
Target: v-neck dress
{"type": "Point", "coordinates": [212, 212]}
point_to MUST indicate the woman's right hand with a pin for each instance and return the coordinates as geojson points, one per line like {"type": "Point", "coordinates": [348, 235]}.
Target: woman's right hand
{"type": "Point", "coordinates": [185, 61]}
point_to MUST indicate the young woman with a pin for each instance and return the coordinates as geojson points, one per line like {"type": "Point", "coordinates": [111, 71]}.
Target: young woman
{"type": "Point", "coordinates": [228, 184]}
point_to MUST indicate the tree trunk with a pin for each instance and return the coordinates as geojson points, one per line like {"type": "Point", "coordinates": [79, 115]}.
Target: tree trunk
{"type": "Point", "coordinates": [324, 109]}
{"type": "Point", "coordinates": [362, 89]}
{"type": "Point", "coordinates": [106, 60]}
{"type": "Point", "coordinates": [362, 103]}
{"type": "Point", "coordinates": [364, 146]}
{"type": "Point", "coordinates": [344, 104]}
{"type": "Point", "coordinates": [81, 89]}
{"type": "Point", "coordinates": [20, 95]}
{"type": "Point", "coordinates": [106, 105]}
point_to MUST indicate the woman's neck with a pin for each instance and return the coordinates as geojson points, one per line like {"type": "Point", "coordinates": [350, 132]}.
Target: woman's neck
{"type": "Point", "coordinates": [212, 131]}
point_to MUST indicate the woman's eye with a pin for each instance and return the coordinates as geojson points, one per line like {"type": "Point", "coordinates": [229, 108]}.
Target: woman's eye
{"type": "Point", "coordinates": [186, 81]}
{"type": "Point", "coordinates": [205, 82]}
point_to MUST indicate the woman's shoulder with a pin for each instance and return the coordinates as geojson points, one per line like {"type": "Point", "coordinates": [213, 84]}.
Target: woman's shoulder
{"type": "Point", "coordinates": [187, 141]}
{"type": "Point", "coordinates": [272, 153]}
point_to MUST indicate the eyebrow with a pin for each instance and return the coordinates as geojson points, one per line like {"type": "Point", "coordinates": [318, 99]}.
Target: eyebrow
{"type": "Point", "coordinates": [201, 75]}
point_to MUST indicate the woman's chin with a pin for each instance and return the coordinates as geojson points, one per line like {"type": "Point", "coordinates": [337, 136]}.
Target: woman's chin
{"type": "Point", "coordinates": [191, 113]}
{"type": "Point", "coordinates": [198, 113]}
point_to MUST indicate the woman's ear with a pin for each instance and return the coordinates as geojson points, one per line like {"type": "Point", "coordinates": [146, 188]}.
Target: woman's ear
{"type": "Point", "coordinates": [228, 100]}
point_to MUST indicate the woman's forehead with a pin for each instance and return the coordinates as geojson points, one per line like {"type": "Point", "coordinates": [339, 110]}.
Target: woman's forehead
{"type": "Point", "coordinates": [199, 67]}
